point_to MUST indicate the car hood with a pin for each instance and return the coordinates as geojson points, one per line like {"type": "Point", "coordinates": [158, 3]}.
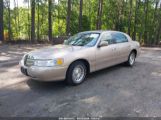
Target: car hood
{"type": "Point", "coordinates": [56, 51]}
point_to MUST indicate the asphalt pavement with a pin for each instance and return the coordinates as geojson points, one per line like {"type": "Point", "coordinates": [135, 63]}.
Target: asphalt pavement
{"type": "Point", "coordinates": [113, 92]}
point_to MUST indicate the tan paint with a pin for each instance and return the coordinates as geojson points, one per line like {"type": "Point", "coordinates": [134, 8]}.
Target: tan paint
{"type": "Point", "coordinates": [98, 58]}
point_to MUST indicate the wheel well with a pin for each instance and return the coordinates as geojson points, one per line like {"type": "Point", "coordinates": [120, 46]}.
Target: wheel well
{"type": "Point", "coordinates": [85, 62]}
{"type": "Point", "coordinates": [135, 51]}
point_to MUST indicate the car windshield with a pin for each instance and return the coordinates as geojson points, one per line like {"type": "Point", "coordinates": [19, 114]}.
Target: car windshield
{"type": "Point", "coordinates": [83, 39]}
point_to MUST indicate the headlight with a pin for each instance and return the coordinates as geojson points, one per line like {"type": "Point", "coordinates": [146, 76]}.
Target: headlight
{"type": "Point", "coordinates": [48, 63]}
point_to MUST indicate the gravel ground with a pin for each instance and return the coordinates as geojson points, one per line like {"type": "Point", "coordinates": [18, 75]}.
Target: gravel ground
{"type": "Point", "coordinates": [113, 92]}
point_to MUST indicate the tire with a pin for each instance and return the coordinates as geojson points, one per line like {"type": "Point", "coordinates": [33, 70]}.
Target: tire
{"type": "Point", "coordinates": [131, 59]}
{"type": "Point", "coordinates": [76, 73]}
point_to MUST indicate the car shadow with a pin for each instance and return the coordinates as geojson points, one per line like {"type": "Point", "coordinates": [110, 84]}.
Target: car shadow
{"type": "Point", "coordinates": [106, 70]}
{"type": "Point", "coordinates": [38, 85]}
{"type": "Point", "coordinates": [56, 85]}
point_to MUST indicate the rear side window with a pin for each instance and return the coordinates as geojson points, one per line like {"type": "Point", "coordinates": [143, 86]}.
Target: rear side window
{"type": "Point", "coordinates": [119, 38]}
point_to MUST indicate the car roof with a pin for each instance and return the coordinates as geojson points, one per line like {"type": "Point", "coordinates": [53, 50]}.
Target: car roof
{"type": "Point", "coordinates": [101, 31]}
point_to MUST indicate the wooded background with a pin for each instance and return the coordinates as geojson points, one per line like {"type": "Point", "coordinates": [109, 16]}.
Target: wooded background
{"type": "Point", "coordinates": [43, 20]}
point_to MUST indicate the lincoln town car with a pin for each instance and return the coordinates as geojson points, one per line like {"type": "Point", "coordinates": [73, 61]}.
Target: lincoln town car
{"type": "Point", "coordinates": [81, 54]}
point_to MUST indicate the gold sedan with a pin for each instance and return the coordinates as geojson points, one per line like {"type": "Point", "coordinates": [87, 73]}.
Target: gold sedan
{"type": "Point", "coordinates": [81, 54]}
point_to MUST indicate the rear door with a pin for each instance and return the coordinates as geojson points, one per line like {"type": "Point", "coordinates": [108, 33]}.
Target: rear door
{"type": "Point", "coordinates": [122, 46]}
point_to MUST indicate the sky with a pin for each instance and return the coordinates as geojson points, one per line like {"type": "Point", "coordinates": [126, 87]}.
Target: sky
{"type": "Point", "coordinates": [21, 3]}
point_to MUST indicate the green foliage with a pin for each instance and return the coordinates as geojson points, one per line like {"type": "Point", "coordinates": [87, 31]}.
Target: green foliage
{"type": "Point", "coordinates": [85, 23]}
{"type": "Point", "coordinates": [115, 16]}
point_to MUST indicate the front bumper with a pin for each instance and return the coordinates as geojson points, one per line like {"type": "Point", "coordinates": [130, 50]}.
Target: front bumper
{"type": "Point", "coordinates": [44, 73]}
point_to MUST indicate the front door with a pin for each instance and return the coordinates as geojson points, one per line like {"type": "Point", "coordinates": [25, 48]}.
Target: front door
{"type": "Point", "coordinates": [106, 55]}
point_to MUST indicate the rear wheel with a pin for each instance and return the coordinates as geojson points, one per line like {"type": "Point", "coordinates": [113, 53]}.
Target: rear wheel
{"type": "Point", "coordinates": [131, 59]}
{"type": "Point", "coordinates": [76, 73]}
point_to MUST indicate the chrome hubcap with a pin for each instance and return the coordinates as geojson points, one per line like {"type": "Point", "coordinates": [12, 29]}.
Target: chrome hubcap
{"type": "Point", "coordinates": [132, 59]}
{"type": "Point", "coordinates": [78, 73]}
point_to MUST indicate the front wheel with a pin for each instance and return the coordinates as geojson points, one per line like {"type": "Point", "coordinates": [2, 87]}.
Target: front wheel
{"type": "Point", "coordinates": [131, 59]}
{"type": "Point", "coordinates": [76, 73]}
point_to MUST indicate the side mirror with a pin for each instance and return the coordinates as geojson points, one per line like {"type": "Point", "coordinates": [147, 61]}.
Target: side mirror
{"type": "Point", "coordinates": [103, 43]}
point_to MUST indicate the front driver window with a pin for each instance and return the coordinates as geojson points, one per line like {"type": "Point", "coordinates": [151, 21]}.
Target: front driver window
{"type": "Point", "coordinates": [107, 37]}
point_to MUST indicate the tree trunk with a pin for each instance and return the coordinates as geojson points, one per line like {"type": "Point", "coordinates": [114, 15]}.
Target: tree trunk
{"type": "Point", "coordinates": [145, 21]}
{"type": "Point", "coordinates": [130, 15]}
{"type": "Point", "coordinates": [158, 35]}
{"type": "Point", "coordinates": [1, 21]}
{"type": "Point", "coordinates": [9, 21]}
{"type": "Point", "coordinates": [18, 20]}
{"type": "Point", "coordinates": [59, 29]}
{"type": "Point", "coordinates": [99, 15]}
{"type": "Point", "coordinates": [38, 21]}
{"type": "Point", "coordinates": [50, 19]}
{"type": "Point", "coordinates": [28, 26]}
{"type": "Point", "coordinates": [155, 21]}
{"type": "Point", "coordinates": [89, 13]}
{"type": "Point", "coordinates": [80, 15]}
{"type": "Point", "coordinates": [15, 17]}
{"type": "Point", "coordinates": [122, 17]}
{"type": "Point", "coordinates": [68, 18]}
{"type": "Point", "coordinates": [136, 18]}
{"type": "Point", "coordinates": [33, 21]}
